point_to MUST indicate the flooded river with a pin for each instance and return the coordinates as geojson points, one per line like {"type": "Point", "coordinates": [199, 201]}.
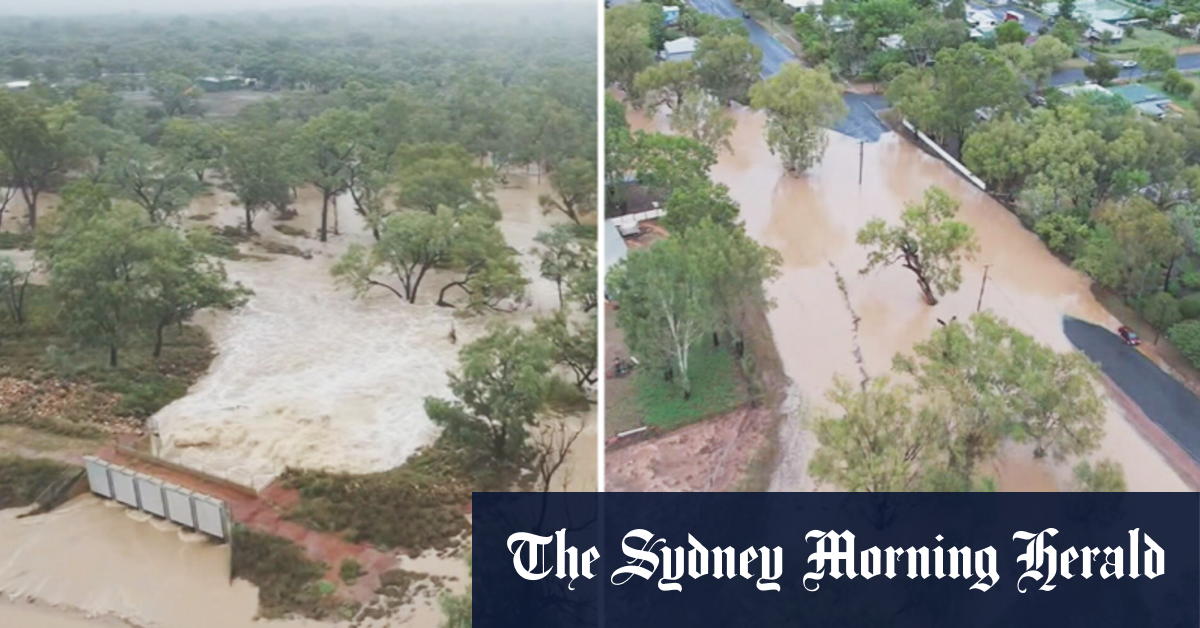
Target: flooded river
{"type": "Point", "coordinates": [308, 376]}
{"type": "Point", "coordinates": [813, 219]}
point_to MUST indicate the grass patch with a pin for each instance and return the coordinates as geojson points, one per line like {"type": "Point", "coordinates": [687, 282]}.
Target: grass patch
{"type": "Point", "coordinates": [16, 241]}
{"type": "Point", "coordinates": [288, 582]}
{"type": "Point", "coordinates": [416, 506]}
{"type": "Point", "coordinates": [22, 479]}
{"type": "Point", "coordinates": [716, 388]}
{"type": "Point", "coordinates": [74, 384]}
{"type": "Point", "coordinates": [1143, 38]}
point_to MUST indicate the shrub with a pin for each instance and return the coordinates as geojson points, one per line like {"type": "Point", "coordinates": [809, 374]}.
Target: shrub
{"type": "Point", "coordinates": [1063, 233]}
{"type": "Point", "coordinates": [1186, 337]}
{"type": "Point", "coordinates": [350, 571]}
{"type": "Point", "coordinates": [1189, 307]}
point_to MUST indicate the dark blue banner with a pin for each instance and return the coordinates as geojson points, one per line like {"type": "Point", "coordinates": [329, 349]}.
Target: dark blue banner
{"type": "Point", "coordinates": [924, 560]}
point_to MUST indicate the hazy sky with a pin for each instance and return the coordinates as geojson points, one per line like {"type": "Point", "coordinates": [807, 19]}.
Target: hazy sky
{"type": "Point", "coordinates": [92, 7]}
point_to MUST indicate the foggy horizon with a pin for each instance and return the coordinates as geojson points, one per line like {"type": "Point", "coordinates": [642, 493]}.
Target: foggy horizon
{"type": "Point", "coordinates": [82, 8]}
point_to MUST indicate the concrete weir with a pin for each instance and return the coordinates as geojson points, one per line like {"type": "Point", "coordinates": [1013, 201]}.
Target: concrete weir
{"type": "Point", "coordinates": [143, 492]}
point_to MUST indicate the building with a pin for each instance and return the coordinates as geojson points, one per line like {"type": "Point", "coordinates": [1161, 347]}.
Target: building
{"type": "Point", "coordinates": [680, 49]}
{"type": "Point", "coordinates": [895, 41]}
{"type": "Point", "coordinates": [670, 15]}
{"type": "Point", "coordinates": [220, 84]}
{"type": "Point", "coordinates": [1145, 100]}
{"type": "Point", "coordinates": [615, 250]}
{"type": "Point", "coordinates": [1098, 28]}
{"type": "Point", "coordinates": [800, 5]}
{"type": "Point", "coordinates": [18, 85]}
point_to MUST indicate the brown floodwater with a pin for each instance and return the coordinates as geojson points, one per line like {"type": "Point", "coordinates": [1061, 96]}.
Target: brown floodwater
{"type": "Point", "coordinates": [305, 375]}
{"type": "Point", "coordinates": [812, 221]}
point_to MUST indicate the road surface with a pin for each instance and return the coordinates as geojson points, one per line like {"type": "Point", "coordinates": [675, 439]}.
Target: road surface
{"type": "Point", "coordinates": [860, 123]}
{"type": "Point", "coordinates": [1167, 402]}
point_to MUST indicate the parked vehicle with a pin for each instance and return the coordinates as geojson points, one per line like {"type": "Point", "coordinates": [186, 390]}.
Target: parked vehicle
{"type": "Point", "coordinates": [1129, 336]}
{"type": "Point", "coordinates": [1129, 63]}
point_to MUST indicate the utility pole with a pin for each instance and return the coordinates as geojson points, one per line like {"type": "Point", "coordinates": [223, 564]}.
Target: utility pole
{"type": "Point", "coordinates": [979, 305]}
{"type": "Point", "coordinates": [860, 162]}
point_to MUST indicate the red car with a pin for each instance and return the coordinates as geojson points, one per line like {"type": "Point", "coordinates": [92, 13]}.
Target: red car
{"type": "Point", "coordinates": [1129, 336]}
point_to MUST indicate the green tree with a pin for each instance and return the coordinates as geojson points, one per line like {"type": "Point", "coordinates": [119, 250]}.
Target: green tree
{"type": "Point", "coordinates": [574, 185]}
{"type": "Point", "coordinates": [178, 281]}
{"type": "Point", "coordinates": [1161, 310]}
{"type": "Point", "coordinates": [944, 100]}
{"type": "Point", "coordinates": [193, 143]}
{"type": "Point", "coordinates": [1131, 247]}
{"type": "Point", "coordinates": [928, 242]}
{"type": "Point", "coordinates": [326, 146]}
{"type": "Point", "coordinates": [989, 382]}
{"type": "Point", "coordinates": [692, 204]}
{"type": "Point", "coordinates": [440, 175]}
{"type": "Point", "coordinates": [738, 269]}
{"type": "Point", "coordinates": [490, 269]}
{"type": "Point", "coordinates": [1102, 71]}
{"type": "Point", "coordinates": [1105, 477]}
{"type": "Point", "coordinates": [95, 143]}
{"type": "Point", "coordinates": [1186, 337]}
{"type": "Point", "coordinates": [258, 171]}
{"type": "Point", "coordinates": [1066, 10]}
{"type": "Point", "coordinates": [879, 443]}
{"type": "Point", "coordinates": [13, 284]}
{"type": "Point", "coordinates": [663, 163]}
{"type": "Point", "coordinates": [702, 118]}
{"type": "Point", "coordinates": [155, 181]}
{"type": "Point", "coordinates": [410, 244]}
{"type": "Point", "coordinates": [995, 152]}
{"type": "Point", "coordinates": [176, 93]}
{"type": "Point", "coordinates": [36, 144]}
{"type": "Point", "coordinates": [727, 66]}
{"type": "Point", "coordinates": [666, 294]}
{"type": "Point", "coordinates": [500, 391]}
{"type": "Point", "coordinates": [628, 45]}
{"type": "Point", "coordinates": [799, 103]}
{"type": "Point", "coordinates": [1155, 59]}
{"type": "Point", "coordinates": [563, 251]}
{"type": "Point", "coordinates": [664, 84]}
{"type": "Point", "coordinates": [574, 345]}
{"type": "Point", "coordinates": [1045, 55]}
{"type": "Point", "coordinates": [1010, 33]}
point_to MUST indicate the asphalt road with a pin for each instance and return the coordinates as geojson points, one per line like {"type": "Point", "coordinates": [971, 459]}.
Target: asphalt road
{"type": "Point", "coordinates": [1167, 402]}
{"type": "Point", "coordinates": [775, 54]}
{"type": "Point", "coordinates": [860, 123]}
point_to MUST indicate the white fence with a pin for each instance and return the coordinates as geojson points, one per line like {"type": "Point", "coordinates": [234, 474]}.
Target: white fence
{"type": "Point", "coordinates": [946, 156]}
{"type": "Point", "coordinates": [149, 494]}
{"type": "Point", "coordinates": [631, 220]}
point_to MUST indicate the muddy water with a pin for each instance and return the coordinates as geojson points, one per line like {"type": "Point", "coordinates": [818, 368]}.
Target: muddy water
{"type": "Point", "coordinates": [307, 376]}
{"type": "Point", "coordinates": [94, 563]}
{"type": "Point", "coordinates": [812, 220]}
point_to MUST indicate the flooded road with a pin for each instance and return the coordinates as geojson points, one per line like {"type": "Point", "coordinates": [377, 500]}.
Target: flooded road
{"type": "Point", "coordinates": [812, 221]}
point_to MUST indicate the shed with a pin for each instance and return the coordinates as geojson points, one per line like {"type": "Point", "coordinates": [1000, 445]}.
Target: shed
{"type": "Point", "coordinates": [680, 49]}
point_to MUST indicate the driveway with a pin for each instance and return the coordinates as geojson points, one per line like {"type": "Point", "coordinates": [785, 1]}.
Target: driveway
{"type": "Point", "coordinates": [1167, 402]}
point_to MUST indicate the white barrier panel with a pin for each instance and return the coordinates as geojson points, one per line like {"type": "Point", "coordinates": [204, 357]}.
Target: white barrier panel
{"type": "Point", "coordinates": [954, 163]}
{"type": "Point", "coordinates": [123, 488]}
{"type": "Point", "coordinates": [150, 494]}
{"type": "Point", "coordinates": [210, 516]}
{"type": "Point", "coordinates": [179, 505]}
{"type": "Point", "coordinates": [97, 474]}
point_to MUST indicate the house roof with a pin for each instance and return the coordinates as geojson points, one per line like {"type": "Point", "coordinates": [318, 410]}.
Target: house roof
{"type": "Point", "coordinates": [1138, 94]}
{"type": "Point", "coordinates": [683, 45]}
{"type": "Point", "coordinates": [614, 245]}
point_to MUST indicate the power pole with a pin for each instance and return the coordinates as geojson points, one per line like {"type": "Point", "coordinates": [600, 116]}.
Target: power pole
{"type": "Point", "coordinates": [979, 305]}
{"type": "Point", "coordinates": [860, 162]}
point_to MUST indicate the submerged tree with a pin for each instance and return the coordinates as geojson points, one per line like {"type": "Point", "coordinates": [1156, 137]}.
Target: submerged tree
{"type": "Point", "coordinates": [440, 175]}
{"type": "Point", "coordinates": [326, 148]}
{"type": "Point", "coordinates": [928, 242]}
{"type": "Point", "coordinates": [410, 245]}
{"type": "Point", "coordinates": [800, 104]}
{"type": "Point", "coordinates": [13, 284]}
{"type": "Point", "coordinates": [257, 171]}
{"type": "Point", "coordinates": [564, 251]}
{"type": "Point", "coordinates": [500, 391]}
{"type": "Point", "coordinates": [702, 118]}
{"type": "Point", "coordinates": [574, 183]}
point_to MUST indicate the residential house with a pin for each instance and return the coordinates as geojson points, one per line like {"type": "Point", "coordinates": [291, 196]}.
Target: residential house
{"type": "Point", "coordinates": [680, 49]}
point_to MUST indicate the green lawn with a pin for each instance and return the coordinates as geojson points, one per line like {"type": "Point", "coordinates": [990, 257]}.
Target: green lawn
{"type": "Point", "coordinates": [716, 388]}
{"type": "Point", "coordinates": [1142, 38]}
{"type": "Point", "coordinates": [1182, 101]}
